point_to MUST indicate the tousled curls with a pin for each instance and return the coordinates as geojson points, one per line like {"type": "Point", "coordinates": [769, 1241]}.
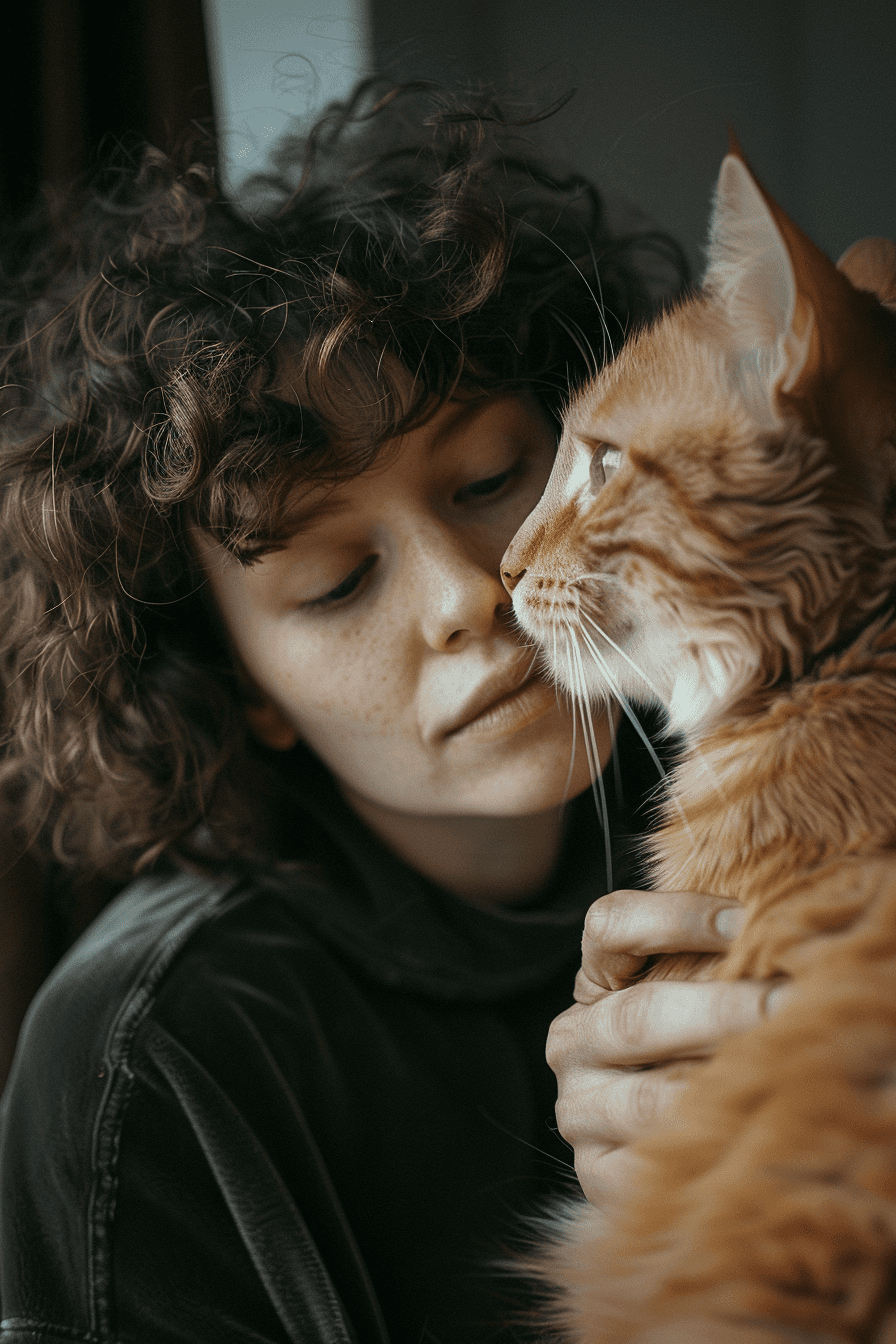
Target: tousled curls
{"type": "Point", "coordinates": [170, 360]}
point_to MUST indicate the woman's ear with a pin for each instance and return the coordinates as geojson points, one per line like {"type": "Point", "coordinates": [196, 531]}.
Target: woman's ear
{"type": "Point", "coordinates": [266, 719]}
{"type": "Point", "coordinates": [268, 722]}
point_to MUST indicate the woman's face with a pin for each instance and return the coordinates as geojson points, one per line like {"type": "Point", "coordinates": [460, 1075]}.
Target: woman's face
{"type": "Point", "coordinates": [380, 635]}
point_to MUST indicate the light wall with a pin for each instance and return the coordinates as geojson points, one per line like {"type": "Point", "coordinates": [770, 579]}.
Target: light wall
{"type": "Point", "coordinates": [274, 63]}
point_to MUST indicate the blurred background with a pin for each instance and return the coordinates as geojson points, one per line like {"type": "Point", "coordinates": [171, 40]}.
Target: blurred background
{"type": "Point", "coordinates": [807, 84]}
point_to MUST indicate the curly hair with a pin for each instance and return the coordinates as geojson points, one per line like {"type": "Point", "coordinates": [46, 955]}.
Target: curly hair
{"type": "Point", "coordinates": [148, 325]}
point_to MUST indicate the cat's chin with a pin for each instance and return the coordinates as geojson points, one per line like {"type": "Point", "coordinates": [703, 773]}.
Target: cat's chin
{"type": "Point", "coordinates": [705, 689]}
{"type": "Point", "coordinates": [692, 705]}
{"type": "Point", "coordinates": [581, 679]}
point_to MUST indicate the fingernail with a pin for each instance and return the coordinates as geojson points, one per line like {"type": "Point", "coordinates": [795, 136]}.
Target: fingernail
{"type": "Point", "coordinates": [730, 920]}
{"type": "Point", "coordinates": [775, 998]}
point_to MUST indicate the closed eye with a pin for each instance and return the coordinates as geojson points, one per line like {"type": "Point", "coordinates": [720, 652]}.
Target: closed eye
{"type": "Point", "coordinates": [488, 486]}
{"type": "Point", "coordinates": [346, 587]}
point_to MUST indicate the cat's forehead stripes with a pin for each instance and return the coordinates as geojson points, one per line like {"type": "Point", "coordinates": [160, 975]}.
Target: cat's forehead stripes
{"type": "Point", "coordinates": [677, 375]}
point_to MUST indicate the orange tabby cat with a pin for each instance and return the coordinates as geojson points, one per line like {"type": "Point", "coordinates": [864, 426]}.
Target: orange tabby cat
{"type": "Point", "coordinates": [719, 534]}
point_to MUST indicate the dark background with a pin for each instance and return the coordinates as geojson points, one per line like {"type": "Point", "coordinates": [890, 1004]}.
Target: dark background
{"type": "Point", "coordinates": [81, 72]}
{"type": "Point", "coordinates": [807, 84]}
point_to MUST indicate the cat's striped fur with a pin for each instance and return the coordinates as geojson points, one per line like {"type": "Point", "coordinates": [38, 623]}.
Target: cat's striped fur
{"type": "Point", "coordinates": [718, 534]}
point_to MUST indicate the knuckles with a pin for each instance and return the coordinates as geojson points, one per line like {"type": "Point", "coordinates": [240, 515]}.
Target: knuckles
{"type": "Point", "coordinates": [606, 1031]}
{"type": "Point", "coordinates": [626, 1018]}
{"type": "Point", "coordinates": [647, 1100]}
{"type": "Point", "coordinates": [607, 923]}
{"type": "Point", "coordinates": [569, 1121]}
{"type": "Point", "coordinates": [595, 1118]}
{"type": "Point", "coordinates": [563, 1036]}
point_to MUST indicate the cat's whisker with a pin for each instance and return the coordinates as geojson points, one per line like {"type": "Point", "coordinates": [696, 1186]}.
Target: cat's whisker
{"type": "Point", "coordinates": [525, 643]}
{"type": "Point", "coordinates": [597, 782]}
{"type": "Point", "coordinates": [578, 701]}
{"type": "Point", "coordinates": [518, 1138]}
{"type": "Point", "coordinates": [569, 696]}
{"type": "Point", "coordinates": [622, 698]}
{"type": "Point", "coordinates": [572, 753]}
{"type": "Point", "coordinates": [581, 342]}
{"type": "Point", "coordinates": [583, 615]}
{"type": "Point", "coordinates": [598, 302]}
{"type": "Point", "coordinates": [605, 330]}
{"type": "Point", "coordinates": [599, 576]}
{"type": "Point", "coordinates": [536, 654]}
{"type": "Point", "coordinates": [632, 717]}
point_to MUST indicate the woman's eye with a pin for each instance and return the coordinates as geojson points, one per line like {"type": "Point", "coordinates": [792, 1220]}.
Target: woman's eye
{"type": "Point", "coordinates": [490, 485]}
{"type": "Point", "coordinates": [604, 463]}
{"type": "Point", "coordinates": [346, 587]}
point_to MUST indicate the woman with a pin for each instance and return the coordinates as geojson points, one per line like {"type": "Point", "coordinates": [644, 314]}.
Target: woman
{"type": "Point", "coordinates": [258, 477]}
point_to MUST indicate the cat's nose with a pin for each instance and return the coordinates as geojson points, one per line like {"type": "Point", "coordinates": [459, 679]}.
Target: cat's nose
{"type": "Point", "coordinates": [509, 580]}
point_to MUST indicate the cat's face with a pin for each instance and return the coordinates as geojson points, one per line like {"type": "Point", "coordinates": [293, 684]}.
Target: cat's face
{"type": "Point", "coordinates": [698, 536]}
{"type": "Point", "coordinates": [660, 561]}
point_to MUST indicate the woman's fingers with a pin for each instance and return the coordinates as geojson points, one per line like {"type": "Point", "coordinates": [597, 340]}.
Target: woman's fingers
{"type": "Point", "coordinates": [604, 1118]}
{"type": "Point", "coordinates": [623, 1055]}
{"type": "Point", "coordinates": [623, 928]}
{"type": "Point", "coordinates": [622, 1061]}
{"type": "Point", "coordinates": [608, 1178]}
{"type": "Point", "coordinates": [600, 1109]}
{"type": "Point", "coordinates": [655, 1021]}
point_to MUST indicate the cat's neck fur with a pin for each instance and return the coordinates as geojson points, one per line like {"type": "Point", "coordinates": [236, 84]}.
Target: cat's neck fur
{"type": "Point", "coordinates": [790, 777]}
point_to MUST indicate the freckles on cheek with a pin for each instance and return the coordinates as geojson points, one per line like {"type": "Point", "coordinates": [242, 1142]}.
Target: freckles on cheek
{"type": "Point", "coordinates": [347, 685]}
{"type": "Point", "coordinates": [377, 698]}
{"type": "Point", "coordinates": [383, 706]}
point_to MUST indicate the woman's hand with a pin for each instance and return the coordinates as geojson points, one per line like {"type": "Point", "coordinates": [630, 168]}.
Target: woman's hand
{"type": "Point", "coordinates": [615, 1051]}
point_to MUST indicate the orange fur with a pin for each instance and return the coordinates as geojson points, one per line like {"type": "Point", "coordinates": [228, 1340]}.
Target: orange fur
{"type": "Point", "coordinates": [739, 545]}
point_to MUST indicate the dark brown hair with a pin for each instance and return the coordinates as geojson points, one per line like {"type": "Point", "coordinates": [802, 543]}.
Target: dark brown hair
{"type": "Point", "coordinates": [146, 327]}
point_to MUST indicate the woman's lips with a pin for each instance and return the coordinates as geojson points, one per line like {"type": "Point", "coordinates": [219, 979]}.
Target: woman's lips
{"type": "Point", "coordinates": [510, 712]}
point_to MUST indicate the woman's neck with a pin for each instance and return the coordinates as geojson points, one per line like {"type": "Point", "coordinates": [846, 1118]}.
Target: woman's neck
{"type": "Point", "coordinates": [484, 860]}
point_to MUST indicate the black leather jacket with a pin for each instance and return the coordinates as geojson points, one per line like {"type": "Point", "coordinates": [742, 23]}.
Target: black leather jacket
{"type": "Point", "coordinates": [309, 1107]}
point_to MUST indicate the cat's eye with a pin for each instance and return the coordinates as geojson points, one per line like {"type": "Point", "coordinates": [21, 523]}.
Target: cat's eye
{"type": "Point", "coordinates": [605, 461]}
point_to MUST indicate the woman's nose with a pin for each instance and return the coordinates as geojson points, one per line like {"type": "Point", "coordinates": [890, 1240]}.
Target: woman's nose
{"type": "Point", "coordinates": [459, 597]}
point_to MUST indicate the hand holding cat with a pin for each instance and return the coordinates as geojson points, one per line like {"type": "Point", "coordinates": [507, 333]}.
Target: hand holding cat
{"type": "Point", "coordinates": [619, 1052]}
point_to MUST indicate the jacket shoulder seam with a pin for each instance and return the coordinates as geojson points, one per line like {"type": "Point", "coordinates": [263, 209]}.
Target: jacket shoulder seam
{"type": "Point", "coordinates": [135, 1006]}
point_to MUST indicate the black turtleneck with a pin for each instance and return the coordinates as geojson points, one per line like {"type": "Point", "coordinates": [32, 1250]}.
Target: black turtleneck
{"type": "Point", "coordinates": [311, 1105]}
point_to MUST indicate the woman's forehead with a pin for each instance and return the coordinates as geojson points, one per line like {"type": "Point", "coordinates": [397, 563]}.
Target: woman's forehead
{"type": "Point", "coordinates": [454, 424]}
{"type": "Point", "coordinates": [466, 426]}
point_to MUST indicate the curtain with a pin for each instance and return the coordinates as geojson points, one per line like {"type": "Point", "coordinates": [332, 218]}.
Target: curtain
{"type": "Point", "coordinates": [78, 71]}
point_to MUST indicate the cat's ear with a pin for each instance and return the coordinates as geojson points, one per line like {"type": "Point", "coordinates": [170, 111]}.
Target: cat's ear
{"type": "Point", "coordinates": [751, 275]}
{"type": "Point", "coordinates": [870, 264]}
{"type": "Point", "coordinates": [809, 338]}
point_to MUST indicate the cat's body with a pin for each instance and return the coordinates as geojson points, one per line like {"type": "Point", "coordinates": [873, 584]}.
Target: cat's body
{"type": "Point", "coordinates": [721, 518]}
